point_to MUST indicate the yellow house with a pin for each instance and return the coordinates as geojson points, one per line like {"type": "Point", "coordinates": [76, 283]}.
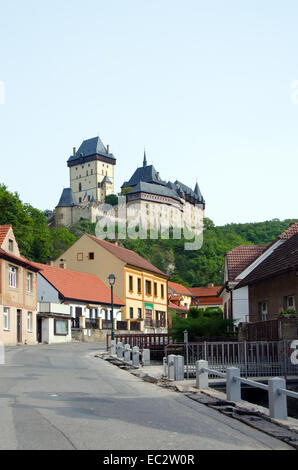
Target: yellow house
{"type": "Point", "coordinates": [139, 284]}
{"type": "Point", "coordinates": [18, 292]}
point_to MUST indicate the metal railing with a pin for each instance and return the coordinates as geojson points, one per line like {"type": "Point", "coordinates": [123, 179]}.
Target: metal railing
{"type": "Point", "coordinates": [277, 392]}
{"type": "Point", "coordinates": [254, 359]}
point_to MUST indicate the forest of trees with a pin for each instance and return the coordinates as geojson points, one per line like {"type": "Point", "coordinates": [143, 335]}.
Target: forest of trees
{"type": "Point", "coordinates": [41, 243]}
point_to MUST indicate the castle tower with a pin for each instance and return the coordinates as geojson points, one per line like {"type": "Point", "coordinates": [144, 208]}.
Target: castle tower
{"type": "Point", "coordinates": [91, 171]}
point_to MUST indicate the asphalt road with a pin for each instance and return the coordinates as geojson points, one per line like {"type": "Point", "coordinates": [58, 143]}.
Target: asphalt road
{"type": "Point", "coordinates": [62, 397]}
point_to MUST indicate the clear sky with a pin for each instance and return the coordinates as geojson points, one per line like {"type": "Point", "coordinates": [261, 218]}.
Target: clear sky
{"type": "Point", "coordinates": [205, 86]}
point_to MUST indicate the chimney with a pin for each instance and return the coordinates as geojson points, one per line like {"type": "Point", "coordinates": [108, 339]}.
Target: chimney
{"type": "Point", "coordinates": [108, 149]}
{"type": "Point", "coordinates": [158, 176]}
{"type": "Point", "coordinates": [74, 151]}
{"type": "Point", "coordinates": [62, 264]}
{"type": "Point", "coordinates": [50, 263]}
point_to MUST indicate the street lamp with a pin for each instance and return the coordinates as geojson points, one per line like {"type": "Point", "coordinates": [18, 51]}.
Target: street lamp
{"type": "Point", "coordinates": [112, 280]}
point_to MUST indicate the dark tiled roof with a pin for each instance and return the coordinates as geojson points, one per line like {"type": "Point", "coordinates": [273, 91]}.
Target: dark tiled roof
{"type": "Point", "coordinates": [128, 256]}
{"type": "Point", "coordinates": [91, 147]}
{"type": "Point", "coordinates": [147, 174]}
{"type": "Point", "coordinates": [106, 180]}
{"type": "Point", "coordinates": [188, 191]}
{"type": "Point", "coordinates": [241, 257]}
{"type": "Point", "coordinates": [67, 198]}
{"type": "Point", "coordinates": [283, 259]}
{"type": "Point", "coordinates": [157, 189]}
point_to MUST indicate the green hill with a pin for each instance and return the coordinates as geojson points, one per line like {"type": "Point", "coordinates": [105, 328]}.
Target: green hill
{"type": "Point", "coordinates": [40, 243]}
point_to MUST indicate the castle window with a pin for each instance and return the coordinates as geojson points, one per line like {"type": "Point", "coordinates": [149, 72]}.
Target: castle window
{"type": "Point", "coordinates": [80, 186]}
{"type": "Point", "coordinates": [88, 198]}
{"type": "Point", "coordinates": [91, 172]}
{"type": "Point", "coordinates": [87, 173]}
{"type": "Point", "coordinates": [80, 199]}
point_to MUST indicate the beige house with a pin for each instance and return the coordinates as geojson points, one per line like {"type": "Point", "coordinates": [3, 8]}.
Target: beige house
{"type": "Point", "coordinates": [18, 292]}
{"type": "Point", "coordinates": [139, 284]}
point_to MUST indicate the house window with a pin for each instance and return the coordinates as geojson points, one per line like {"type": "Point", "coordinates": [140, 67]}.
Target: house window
{"type": "Point", "coordinates": [264, 311]}
{"type": "Point", "coordinates": [60, 327]}
{"type": "Point", "coordinates": [29, 322]}
{"type": "Point", "coordinates": [139, 313]}
{"type": "Point", "coordinates": [12, 276]}
{"type": "Point", "coordinates": [10, 245]}
{"type": "Point", "coordinates": [148, 287]}
{"type": "Point", "coordinates": [80, 199]}
{"type": "Point", "coordinates": [139, 285]}
{"type": "Point", "coordinates": [29, 282]}
{"type": "Point", "coordinates": [162, 291]}
{"type": "Point", "coordinates": [80, 256]}
{"type": "Point", "coordinates": [130, 312]}
{"type": "Point", "coordinates": [80, 187]}
{"type": "Point", "coordinates": [291, 301]}
{"type": "Point", "coordinates": [130, 284]}
{"type": "Point", "coordinates": [91, 256]}
{"type": "Point", "coordinates": [155, 289]}
{"type": "Point", "coordinates": [6, 319]}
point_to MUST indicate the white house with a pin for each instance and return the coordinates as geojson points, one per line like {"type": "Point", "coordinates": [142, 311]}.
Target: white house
{"type": "Point", "coordinates": [70, 299]}
{"type": "Point", "coordinates": [239, 262]}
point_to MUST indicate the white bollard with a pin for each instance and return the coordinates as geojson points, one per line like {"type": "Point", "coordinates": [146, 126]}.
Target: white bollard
{"type": "Point", "coordinates": [171, 367]}
{"type": "Point", "coordinates": [179, 368]}
{"type": "Point", "coordinates": [113, 347]}
{"type": "Point", "coordinates": [120, 350]}
{"type": "Point", "coordinates": [127, 353]}
{"type": "Point", "coordinates": [233, 385]}
{"type": "Point", "coordinates": [201, 375]}
{"type": "Point", "coordinates": [164, 366]}
{"type": "Point", "coordinates": [277, 401]}
{"type": "Point", "coordinates": [136, 356]}
{"type": "Point", "coordinates": [146, 357]}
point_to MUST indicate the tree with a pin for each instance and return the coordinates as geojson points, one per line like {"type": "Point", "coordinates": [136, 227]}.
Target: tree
{"type": "Point", "coordinates": [111, 199]}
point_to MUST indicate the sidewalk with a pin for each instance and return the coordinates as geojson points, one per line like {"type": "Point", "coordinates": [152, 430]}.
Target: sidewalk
{"type": "Point", "coordinates": [248, 413]}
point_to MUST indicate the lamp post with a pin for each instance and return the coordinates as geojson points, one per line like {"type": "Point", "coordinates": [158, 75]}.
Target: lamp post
{"type": "Point", "coordinates": [112, 280]}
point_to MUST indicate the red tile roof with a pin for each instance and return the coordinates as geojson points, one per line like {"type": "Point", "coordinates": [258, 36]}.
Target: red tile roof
{"type": "Point", "coordinates": [292, 230]}
{"type": "Point", "coordinates": [283, 259]}
{"type": "Point", "coordinates": [205, 291]}
{"type": "Point", "coordinates": [212, 300]}
{"type": "Point", "coordinates": [18, 260]}
{"type": "Point", "coordinates": [179, 288]}
{"type": "Point", "coordinates": [173, 306]}
{"type": "Point", "coordinates": [241, 257]}
{"type": "Point", "coordinates": [3, 232]}
{"type": "Point", "coordinates": [128, 256]}
{"type": "Point", "coordinates": [78, 286]}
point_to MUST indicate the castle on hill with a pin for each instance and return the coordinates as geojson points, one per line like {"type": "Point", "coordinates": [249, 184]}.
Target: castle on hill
{"type": "Point", "coordinates": [92, 180]}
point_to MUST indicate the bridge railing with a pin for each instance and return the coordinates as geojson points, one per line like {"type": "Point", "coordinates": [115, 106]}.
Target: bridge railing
{"type": "Point", "coordinates": [277, 391]}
